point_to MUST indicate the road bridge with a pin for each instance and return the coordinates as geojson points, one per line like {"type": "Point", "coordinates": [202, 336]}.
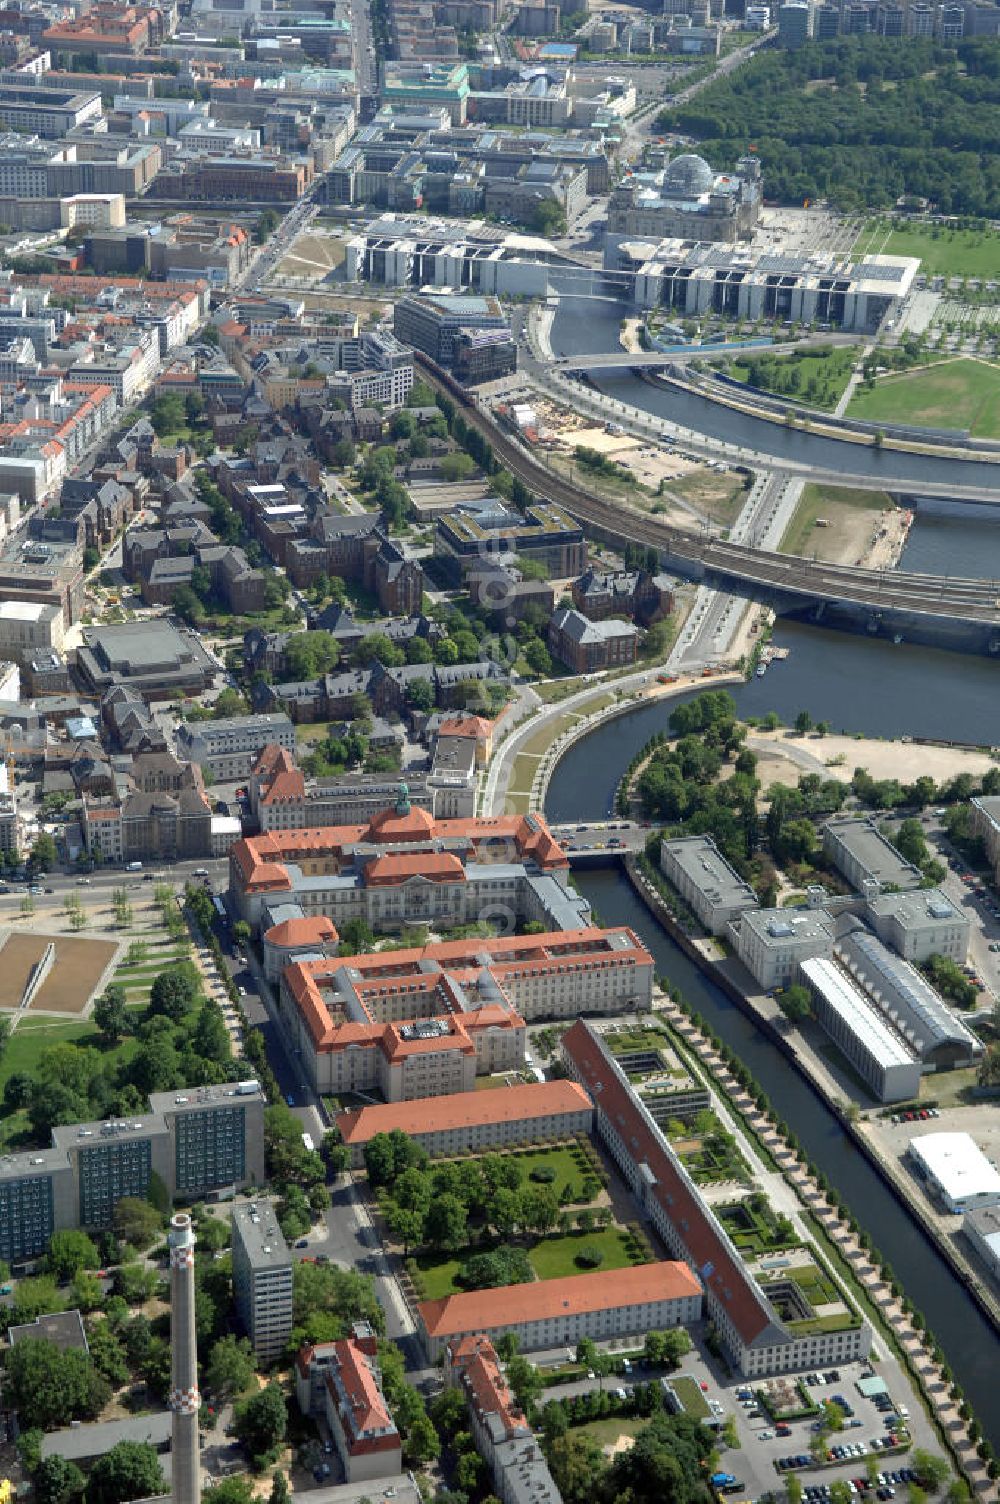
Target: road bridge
{"type": "Point", "coordinates": [644, 360]}
{"type": "Point", "coordinates": [946, 612]}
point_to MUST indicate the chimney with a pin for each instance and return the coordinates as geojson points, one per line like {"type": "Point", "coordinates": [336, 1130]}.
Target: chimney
{"type": "Point", "coordinates": [184, 1397]}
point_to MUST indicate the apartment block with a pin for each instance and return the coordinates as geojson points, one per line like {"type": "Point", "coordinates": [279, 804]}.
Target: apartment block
{"type": "Point", "coordinates": [229, 748]}
{"type": "Point", "coordinates": [262, 1279]}
{"type": "Point", "coordinates": [201, 1142]}
{"type": "Point", "coordinates": [341, 1383]}
{"type": "Point", "coordinates": [475, 1121]}
{"type": "Point", "coordinates": [502, 1435]}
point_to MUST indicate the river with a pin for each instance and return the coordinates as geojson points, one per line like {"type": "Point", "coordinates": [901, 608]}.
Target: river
{"type": "Point", "coordinates": [859, 685]}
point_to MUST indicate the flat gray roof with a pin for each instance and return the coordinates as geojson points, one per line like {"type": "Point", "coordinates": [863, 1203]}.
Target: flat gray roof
{"type": "Point", "coordinates": [81, 1442]}
{"type": "Point", "coordinates": [256, 1226]}
{"type": "Point", "coordinates": [881, 861]}
{"type": "Point", "coordinates": [784, 926]}
{"type": "Point", "coordinates": [702, 861]}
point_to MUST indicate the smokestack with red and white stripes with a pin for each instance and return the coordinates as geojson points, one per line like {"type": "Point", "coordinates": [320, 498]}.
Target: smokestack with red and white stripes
{"type": "Point", "coordinates": [185, 1400]}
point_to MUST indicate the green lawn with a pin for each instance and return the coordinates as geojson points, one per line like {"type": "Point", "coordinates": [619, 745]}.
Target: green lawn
{"type": "Point", "coordinates": [942, 251]}
{"type": "Point", "coordinates": [553, 1258]}
{"type": "Point", "coordinates": [690, 1396]}
{"type": "Point", "coordinates": [962, 394]}
{"type": "Point", "coordinates": [567, 1163]}
{"type": "Point", "coordinates": [833, 503]}
{"type": "Point", "coordinates": [629, 1041]}
{"type": "Point", "coordinates": [606, 1432]}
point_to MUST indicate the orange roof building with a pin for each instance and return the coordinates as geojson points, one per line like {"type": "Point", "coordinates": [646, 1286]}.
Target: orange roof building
{"type": "Point", "coordinates": [423, 1022]}
{"type": "Point", "coordinates": [498, 1425]}
{"type": "Point", "coordinates": [477, 1120]}
{"type": "Point", "coordinates": [758, 1341]}
{"type": "Point", "coordinates": [403, 868]}
{"type": "Point", "coordinates": [341, 1381]}
{"type": "Point", "coordinates": [560, 1312]}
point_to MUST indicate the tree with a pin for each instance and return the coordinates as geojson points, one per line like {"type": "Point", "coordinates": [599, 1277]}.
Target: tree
{"type": "Point", "coordinates": [538, 657]}
{"type": "Point", "coordinates": [796, 1003]}
{"type": "Point", "coordinates": [43, 853]}
{"type": "Point", "coordinates": [173, 992]}
{"type": "Point", "coordinates": [445, 1226]}
{"type": "Point", "coordinates": [57, 1481]}
{"type": "Point", "coordinates": [231, 1367]}
{"type": "Point", "coordinates": [17, 1091]}
{"type": "Point", "coordinates": [261, 1422]}
{"type": "Point", "coordinates": [111, 1015]}
{"type": "Point", "coordinates": [136, 1222]}
{"type": "Point", "coordinates": [49, 1387]}
{"type": "Point", "coordinates": [134, 1282]}
{"type": "Point", "coordinates": [235, 1490]}
{"type": "Point", "coordinates": [280, 1493]}
{"type": "Point", "coordinates": [86, 1292]}
{"type": "Point", "coordinates": [421, 1443]}
{"type": "Point", "coordinates": [840, 1492]}
{"type": "Point", "coordinates": [356, 937]}
{"type": "Point", "coordinates": [932, 1470]}
{"type": "Point", "coordinates": [526, 1381]}
{"type": "Point", "coordinates": [803, 722]}
{"type": "Point", "coordinates": [578, 1466]}
{"type": "Point", "coordinates": [241, 933]}
{"type": "Point", "coordinates": [131, 1470]}
{"type": "Point", "coordinates": [70, 1250]}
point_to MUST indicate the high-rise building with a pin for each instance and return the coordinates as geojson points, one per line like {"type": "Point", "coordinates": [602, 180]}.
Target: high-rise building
{"type": "Point", "coordinates": [794, 23]}
{"type": "Point", "coordinates": [262, 1279]}
{"type": "Point", "coordinates": [185, 1400]}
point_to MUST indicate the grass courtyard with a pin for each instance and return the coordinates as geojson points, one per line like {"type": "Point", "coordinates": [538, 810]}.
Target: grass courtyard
{"type": "Point", "coordinates": [960, 394]}
{"type": "Point", "coordinates": [552, 1257]}
{"type": "Point", "coordinates": [942, 251]}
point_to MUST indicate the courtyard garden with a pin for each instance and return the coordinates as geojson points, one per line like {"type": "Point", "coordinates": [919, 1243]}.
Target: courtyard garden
{"type": "Point", "coordinates": [755, 1228]}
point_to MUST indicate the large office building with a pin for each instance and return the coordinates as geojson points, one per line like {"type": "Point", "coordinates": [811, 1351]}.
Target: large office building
{"type": "Point", "coordinates": [489, 532]}
{"type": "Point", "coordinates": [561, 1312]}
{"type": "Point", "coordinates": [865, 859]}
{"type": "Point", "coordinates": [404, 867]}
{"type": "Point", "coordinates": [425, 1022]}
{"type": "Point", "coordinates": [283, 798]}
{"type": "Point", "coordinates": [985, 812]}
{"type": "Point", "coordinates": [757, 1340]}
{"type": "Point", "coordinates": [431, 321]}
{"type": "Point", "coordinates": [706, 882]}
{"type": "Point", "coordinates": [28, 628]}
{"type": "Point", "coordinates": [199, 1142]}
{"type": "Point", "coordinates": [771, 943]}
{"type": "Point", "coordinates": [262, 1279]}
{"type": "Point", "coordinates": [887, 1065]}
{"type": "Point", "coordinates": [956, 1171]}
{"type": "Point", "coordinates": [474, 1120]}
{"type": "Point", "coordinates": [53, 113]}
{"type": "Point", "coordinates": [155, 657]}
{"type": "Point", "coordinates": [229, 748]}
{"type": "Point", "coordinates": [696, 278]}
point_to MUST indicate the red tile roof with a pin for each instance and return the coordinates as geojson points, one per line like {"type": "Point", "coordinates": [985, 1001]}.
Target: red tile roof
{"type": "Point", "coordinates": [362, 1408]}
{"type": "Point", "coordinates": [722, 1270]}
{"type": "Point", "coordinates": [434, 866]}
{"type": "Point", "coordinates": [465, 1109]}
{"type": "Point", "coordinates": [514, 1305]}
{"type": "Point", "coordinates": [318, 930]}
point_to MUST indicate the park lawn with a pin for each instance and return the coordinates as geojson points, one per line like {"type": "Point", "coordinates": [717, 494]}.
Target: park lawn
{"type": "Point", "coordinates": [690, 1396]}
{"type": "Point", "coordinates": [606, 1432]}
{"type": "Point", "coordinates": [554, 1258]}
{"type": "Point", "coordinates": [949, 253]}
{"type": "Point", "coordinates": [831, 372]}
{"type": "Point", "coordinates": [841, 507]}
{"type": "Point", "coordinates": [438, 1274]}
{"type": "Point", "coordinates": [962, 394]}
{"type": "Point", "coordinates": [23, 1051]}
{"type": "Point", "coordinates": [628, 1041]}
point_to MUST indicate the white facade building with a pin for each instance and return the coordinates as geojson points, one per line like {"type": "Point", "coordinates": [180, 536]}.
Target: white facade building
{"type": "Point", "coordinates": [772, 942]}
{"type": "Point", "coordinates": [956, 1171]}
{"type": "Point", "coordinates": [878, 1054]}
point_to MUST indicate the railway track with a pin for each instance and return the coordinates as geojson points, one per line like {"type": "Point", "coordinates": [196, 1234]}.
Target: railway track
{"type": "Point", "coordinates": [960, 599]}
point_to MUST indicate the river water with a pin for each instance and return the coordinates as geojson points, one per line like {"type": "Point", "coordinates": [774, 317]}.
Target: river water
{"type": "Point", "coordinates": [857, 684]}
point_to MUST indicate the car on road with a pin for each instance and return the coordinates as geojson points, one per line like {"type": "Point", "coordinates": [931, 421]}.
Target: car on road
{"type": "Point", "coordinates": [302, 1243]}
{"type": "Point", "coordinates": [290, 1100]}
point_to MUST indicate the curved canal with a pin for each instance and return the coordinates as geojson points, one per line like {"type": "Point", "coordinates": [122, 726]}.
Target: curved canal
{"type": "Point", "coordinates": [858, 685]}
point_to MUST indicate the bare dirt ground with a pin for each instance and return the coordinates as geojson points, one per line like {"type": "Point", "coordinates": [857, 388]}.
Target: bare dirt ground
{"type": "Point", "coordinates": [79, 965]}
{"type": "Point", "coordinates": [784, 755]}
